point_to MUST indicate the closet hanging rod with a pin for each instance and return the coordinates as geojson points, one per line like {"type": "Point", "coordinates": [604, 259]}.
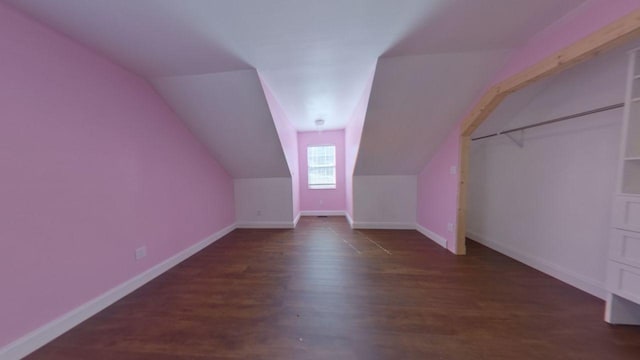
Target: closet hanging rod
{"type": "Point", "coordinates": [563, 118]}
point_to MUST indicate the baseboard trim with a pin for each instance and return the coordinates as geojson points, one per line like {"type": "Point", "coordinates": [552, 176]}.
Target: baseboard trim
{"type": "Point", "coordinates": [383, 225]}
{"type": "Point", "coordinates": [565, 275]}
{"type": "Point", "coordinates": [295, 221]}
{"type": "Point", "coordinates": [349, 219]}
{"type": "Point", "coordinates": [322, 213]}
{"type": "Point", "coordinates": [46, 333]}
{"type": "Point", "coordinates": [266, 225]}
{"type": "Point", "coordinates": [432, 236]}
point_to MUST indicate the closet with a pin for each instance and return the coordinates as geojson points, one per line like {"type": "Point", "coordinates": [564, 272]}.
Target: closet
{"type": "Point", "coordinates": [623, 270]}
{"type": "Point", "coordinates": [554, 179]}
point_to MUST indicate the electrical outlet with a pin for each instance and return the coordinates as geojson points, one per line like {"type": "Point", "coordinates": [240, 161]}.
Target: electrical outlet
{"type": "Point", "coordinates": [450, 227]}
{"type": "Point", "coordinates": [141, 252]}
{"type": "Point", "coordinates": [453, 170]}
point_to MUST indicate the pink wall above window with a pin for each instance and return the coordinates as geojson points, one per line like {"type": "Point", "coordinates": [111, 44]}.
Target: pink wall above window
{"type": "Point", "coordinates": [322, 199]}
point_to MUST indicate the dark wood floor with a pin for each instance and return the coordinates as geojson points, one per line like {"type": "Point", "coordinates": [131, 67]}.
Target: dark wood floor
{"type": "Point", "coordinates": [324, 291]}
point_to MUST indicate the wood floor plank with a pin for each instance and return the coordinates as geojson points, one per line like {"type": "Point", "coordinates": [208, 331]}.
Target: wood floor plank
{"type": "Point", "coordinates": [324, 291]}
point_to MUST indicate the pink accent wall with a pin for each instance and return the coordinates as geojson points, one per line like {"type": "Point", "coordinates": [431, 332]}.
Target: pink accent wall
{"type": "Point", "coordinates": [353, 134]}
{"type": "Point", "coordinates": [434, 186]}
{"type": "Point", "coordinates": [289, 139]}
{"type": "Point", "coordinates": [332, 199]}
{"type": "Point", "coordinates": [577, 24]}
{"type": "Point", "coordinates": [438, 190]}
{"type": "Point", "coordinates": [93, 165]}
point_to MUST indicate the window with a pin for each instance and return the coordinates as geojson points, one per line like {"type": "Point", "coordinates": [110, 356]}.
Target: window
{"type": "Point", "coordinates": [321, 162]}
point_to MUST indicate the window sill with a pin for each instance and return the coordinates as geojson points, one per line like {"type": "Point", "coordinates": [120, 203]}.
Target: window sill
{"type": "Point", "coordinates": [322, 187]}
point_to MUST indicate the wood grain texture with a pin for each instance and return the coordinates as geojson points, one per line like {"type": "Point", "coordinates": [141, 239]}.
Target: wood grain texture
{"type": "Point", "coordinates": [461, 215]}
{"type": "Point", "coordinates": [324, 291]}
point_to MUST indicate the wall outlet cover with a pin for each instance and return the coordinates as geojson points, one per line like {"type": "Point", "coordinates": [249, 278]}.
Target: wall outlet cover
{"type": "Point", "coordinates": [141, 252]}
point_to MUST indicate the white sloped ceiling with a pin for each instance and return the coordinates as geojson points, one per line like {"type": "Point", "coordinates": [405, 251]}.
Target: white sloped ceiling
{"type": "Point", "coordinates": [316, 56]}
{"type": "Point", "coordinates": [415, 102]}
{"type": "Point", "coordinates": [229, 113]}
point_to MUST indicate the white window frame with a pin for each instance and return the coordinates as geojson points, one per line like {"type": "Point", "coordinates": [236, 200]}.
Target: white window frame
{"type": "Point", "coordinates": [319, 186]}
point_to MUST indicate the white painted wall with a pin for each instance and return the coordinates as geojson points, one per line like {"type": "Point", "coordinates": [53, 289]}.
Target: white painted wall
{"type": "Point", "coordinates": [264, 202]}
{"type": "Point", "coordinates": [385, 202]}
{"type": "Point", "coordinates": [548, 204]}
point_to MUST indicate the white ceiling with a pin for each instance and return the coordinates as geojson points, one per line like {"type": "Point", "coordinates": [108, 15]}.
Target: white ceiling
{"type": "Point", "coordinates": [414, 102]}
{"type": "Point", "coordinates": [314, 54]}
{"type": "Point", "coordinates": [476, 25]}
{"type": "Point", "coordinates": [229, 113]}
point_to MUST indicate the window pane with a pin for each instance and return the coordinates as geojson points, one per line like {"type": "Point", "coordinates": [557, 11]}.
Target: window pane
{"type": "Point", "coordinates": [322, 176]}
{"type": "Point", "coordinates": [321, 155]}
{"type": "Point", "coordinates": [321, 166]}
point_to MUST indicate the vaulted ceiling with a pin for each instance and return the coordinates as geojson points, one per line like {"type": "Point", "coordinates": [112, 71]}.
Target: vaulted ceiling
{"type": "Point", "coordinates": [229, 113]}
{"type": "Point", "coordinates": [315, 55]}
{"type": "Point", "coordinates": [413, 104]}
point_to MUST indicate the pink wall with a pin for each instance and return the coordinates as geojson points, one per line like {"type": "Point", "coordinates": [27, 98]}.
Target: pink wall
{"type": "Point", "coordinates": [289, 139]}
{"type": "Point", "coordinates": [434, 187]}
{"type": "Point", "coordinates": [438, 190]}
{"type": "Point", "coordinates": [579, 23]}
{"type": "Point", "coordinates": [93, 166]}
{"type": "Point", "coordinates": [322, 199]}
{"type": "Point", "coordinates": [352, 135]}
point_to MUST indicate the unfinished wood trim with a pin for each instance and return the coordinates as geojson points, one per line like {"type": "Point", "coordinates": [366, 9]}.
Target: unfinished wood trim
{"type": "Point", "coordinates": [487, 104]}
{"type": "Point", "coordinates": [463, 166]}
{"type": "Point", "coordinates": [610, 36]}
{"type": "Point", "coordinates": [600, 41]}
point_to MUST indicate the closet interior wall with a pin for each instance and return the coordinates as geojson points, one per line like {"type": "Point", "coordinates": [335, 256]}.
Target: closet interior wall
{"type": "Point", "coordinates": [548, 203]}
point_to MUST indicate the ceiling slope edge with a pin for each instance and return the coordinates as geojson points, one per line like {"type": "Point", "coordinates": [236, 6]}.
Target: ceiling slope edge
{"type": "Point", "coordinates": [229, 113]}
{"type": "Point", "coordinates": [415, 102]}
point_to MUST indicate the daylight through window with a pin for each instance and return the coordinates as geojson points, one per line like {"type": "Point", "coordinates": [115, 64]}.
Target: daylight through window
{"type": "Point", "coordinates": [322, 167]}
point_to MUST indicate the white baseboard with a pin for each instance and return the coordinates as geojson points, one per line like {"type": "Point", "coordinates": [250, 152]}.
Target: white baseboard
{"type": "Point", "coordinates": [431, 235]}
{"type": "Point", "coordinates": [349, 219]}
{"type": "Point", "coordinates": [295, 221]}
{"type": "Point", "coordinates": [581, 282]}
{"type": "Point", "coordinates": [266, 225]}
{"type": "Point", "coordinates": [383, 225]}
{"type": "Point", "coordinates": [620, 311]}
{"type": "Point", "coordinates": [322, 213]}
{"type": "Point", "coordinates": [41, 336]}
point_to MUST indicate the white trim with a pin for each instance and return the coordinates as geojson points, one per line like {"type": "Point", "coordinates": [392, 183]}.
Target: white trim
{"type": "Point", "coordinates": [41, 336]}
{"type": "Point", "coordinates": [349, 219]}
{"type": "Point", "coordinates": [383, 225]}
{"type": "Point", "coordinates": [266, 225]}
{"type": "Point", "coordinates": [322, 186]}
{"type": "Point", "coordinates": [570, 277]}
{"type": "Point", "coordinates": [322, 213]}
{"type": "Point", "coordinates": [621, 311]}
{"type": "Point", "coordinates": [295, 221]}
{"type": "Point", "coordinates": [432, 236]}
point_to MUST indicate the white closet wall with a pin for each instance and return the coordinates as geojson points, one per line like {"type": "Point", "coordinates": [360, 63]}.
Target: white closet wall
{"type": "Point", "coordinates": [548, 204]}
